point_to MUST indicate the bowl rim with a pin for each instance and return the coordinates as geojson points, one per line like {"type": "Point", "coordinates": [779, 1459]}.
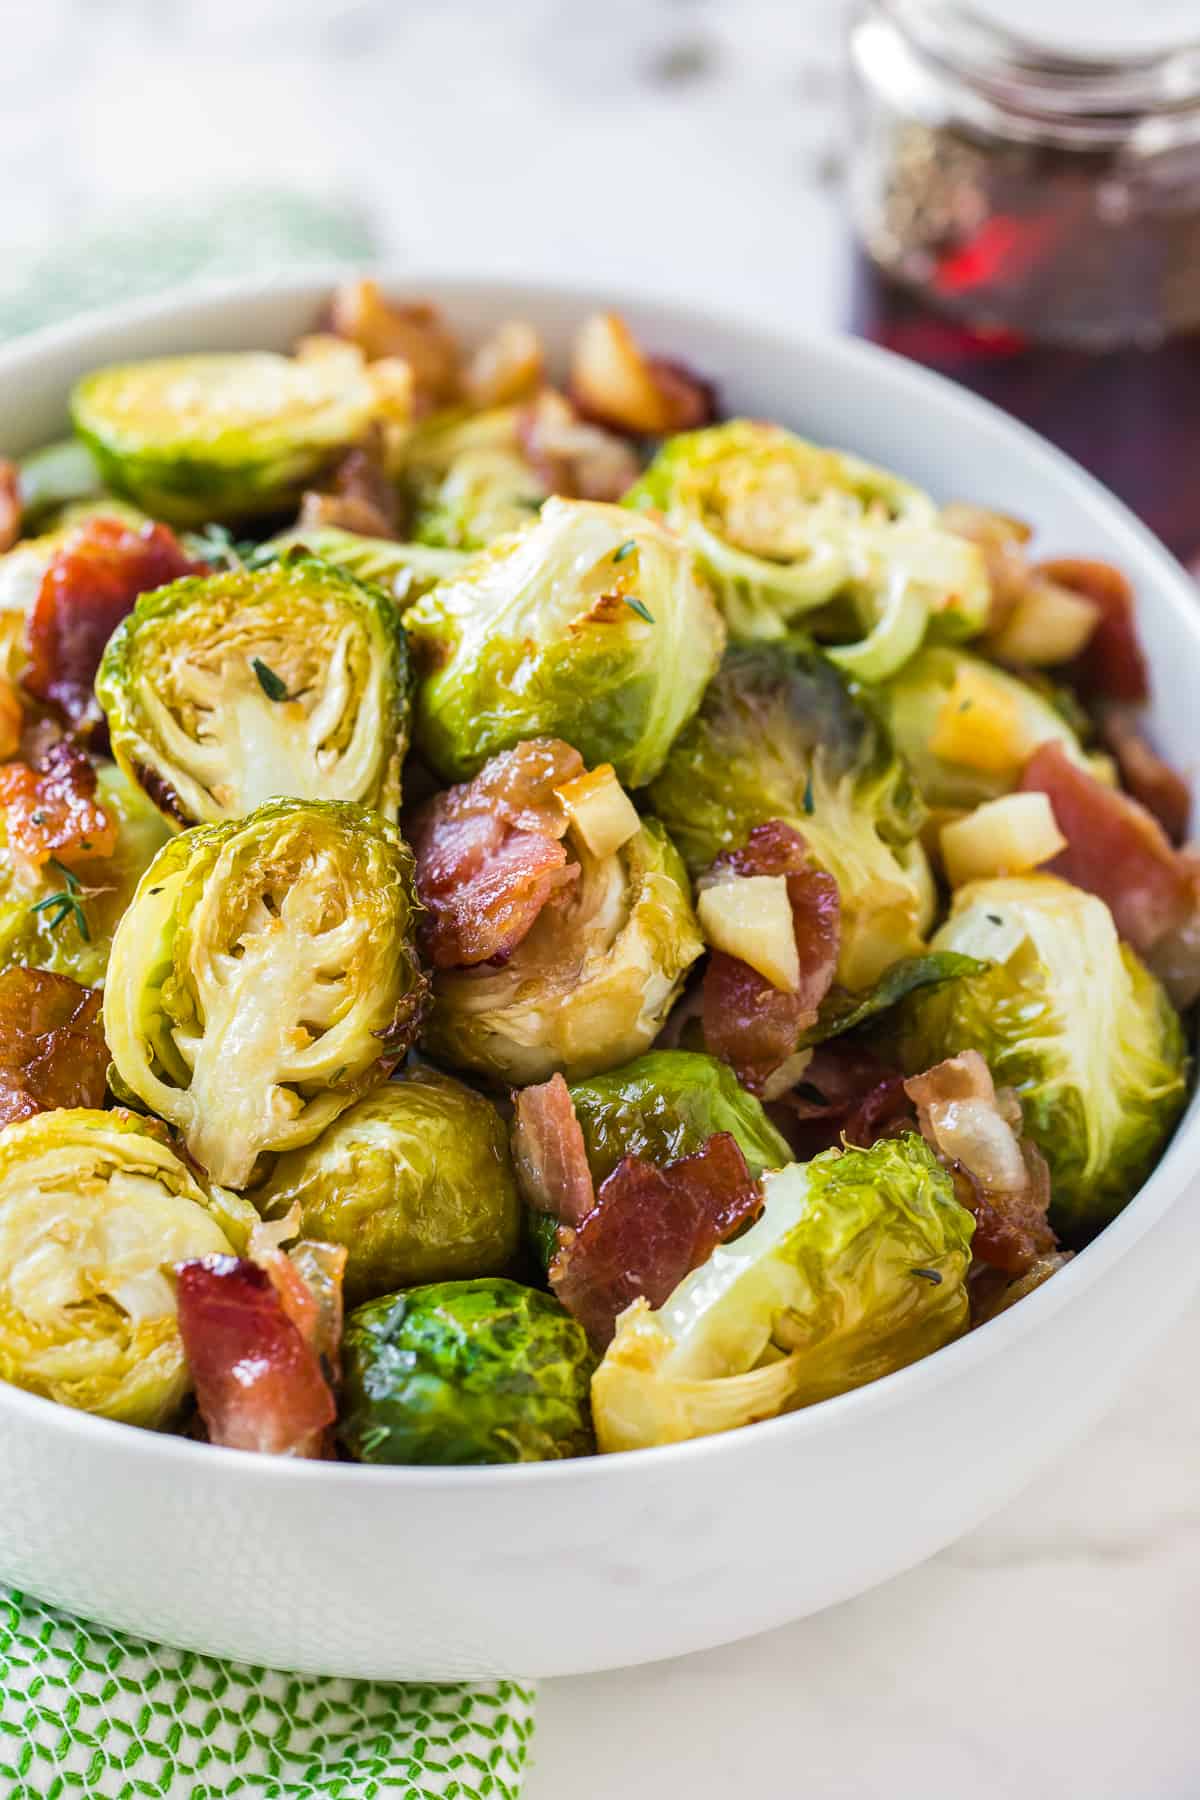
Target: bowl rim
{"type": "Point", "coordinates": [899, 381]}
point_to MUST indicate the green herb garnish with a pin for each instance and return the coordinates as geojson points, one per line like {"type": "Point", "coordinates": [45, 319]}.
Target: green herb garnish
{"type": "Point", "coordinates": [64, 903]}
{"type": "Point", "coordinates": [639, 607]}
{"type": "Point", "coordinates": [272, 685]}
{"type": "Point", "coordinates": [930, 1275]}
{"type": "Point", "coordinates": [808, 796]}
{"type": "Point", "coordinates": [624, 550]}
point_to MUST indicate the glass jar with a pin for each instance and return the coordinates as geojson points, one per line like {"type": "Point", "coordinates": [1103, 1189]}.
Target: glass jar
{"type": "Point", "coordinates": [1028, 222]}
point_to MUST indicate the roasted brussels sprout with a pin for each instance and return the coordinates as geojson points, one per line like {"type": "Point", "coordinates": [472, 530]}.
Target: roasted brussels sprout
{"type": "Point", "coordinates": [414, 1180]}
{"type": "Point", "coordinates": [405, 571]}
{"type": "Point", "coordinates": [468, 480]}
{"type": "Point", "coordinates": [590, 625]}
{"type": "Point", "coordinates": [222, 691]}
{"type": "Point", "coordinates": [94, 1210]}
{"type": "Point", "coordinates": [56, 477]}
{"type": "Point", "coordinates": [1067, 1015]}
{"type": "Point", "coordinates": [73, 934]}
{"type": "Point", "coordinates": [782, 526]}
{"type": "Point", "coordinates": [220, 436]}
{"type": "Point", "coordinates": [465, 1372]}
{"type": "Point", "coordinates": [666, 1105]}
{"type": "Point", "coordinates": [967, 728]}
{"type": "Point", "coordinates": [263, 977]}
{"type": "Point", "coordinates": [782, 735]}
{"type": "Point", "coordinates": [591, 984]}
{"type": "Point", "coordinates": [857, 1267]}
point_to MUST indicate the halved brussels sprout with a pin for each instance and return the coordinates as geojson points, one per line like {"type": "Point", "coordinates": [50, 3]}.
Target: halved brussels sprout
{"type": "Point", "coordinates": [782, 527]}
{"type": "Point", "coordinates": [223, 691]}
{"type": "Point", "coordinates": [405, 571]}
{"type": "Point", "coordinates": [967, 728]}
{"type": "Point", "coordinates": [76, 939]}
{"type": "Point", "coordinates": [856, 1268]}
{"type": "Point", "coordinates": [94, 1210]}
{"type": "Point", "coordinates": [591, 984]}
{"type": "Point", "coordinates": [465, 1372]}
{"type": "Point", "coordinates": [1067, 1015]}
{"type": "Point", "coordinates": [222, 435]}
{"type": "Point", "coordinates": [416, 1182]}
{"type": "Point", "coordinates": [263, 977]}
{"type": "Point", "coordinates": [591, 625]}
{"type": "Point", "coordinates": [668, 1104]}
{"type": "Point", "coordinates": [781, 735]}
{"type": "Point", "coordinates": [57, 476]}
{"type": "Point", "coordinates": [468, 480]}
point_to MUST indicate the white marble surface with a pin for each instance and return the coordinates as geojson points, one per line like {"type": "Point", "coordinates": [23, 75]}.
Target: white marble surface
{"type": "Point", "coordinates": [685, 146]}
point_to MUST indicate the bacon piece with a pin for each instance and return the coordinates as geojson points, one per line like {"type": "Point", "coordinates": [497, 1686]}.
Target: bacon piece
{"type": "Point", "coordinates": [648, 1229]}
{"type": "Point", "coordinates": [1151, 781]}
{"type": "Point", "coordinates": [550, 1153]}
{"type": "Point", "coordinates": [10, 503]}
{"type": "Point", "coordinates": [1113, 665]}
{"type": "Point", "coordinates": [571, 457]}
{"type": "Point", "coordinates": [360, 496]}
{"type": "Point", "coordinates": [52, 811]}
{"type": "Point", "coordinates": [91, 583]}
{"type": "Point", "coordinates": [749, 1022]}
{"type": "Point", "coordinates": [259, 1384]}
{"type": "Point", "coordinates": [52, 1048]}
{"type": "Point", "coordinates": [1118, 850]}
{"type": "Point", "coordinates": [489, 854]}
{"type": "Point", "coordinates": [1002, 1179]}
{"type": "Point", "coordinates": [846, 1091]}
{"type": "Point", "coordinates": [308, 1277]}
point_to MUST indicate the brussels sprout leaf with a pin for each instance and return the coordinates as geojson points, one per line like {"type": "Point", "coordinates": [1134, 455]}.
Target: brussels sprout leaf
{"type": "Point", "coordinates": [842, 1011]}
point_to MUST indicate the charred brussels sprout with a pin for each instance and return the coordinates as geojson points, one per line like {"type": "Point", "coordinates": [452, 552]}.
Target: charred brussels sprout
{"type": "Point", "coordinates": [192, 438]}
{"type": "Point", "coordinates": [94, 1210]}
{"type": "Point", "coordinates": [465, 1372]}
{"type": "Point", "coordinates": [782, 527]}
{"type": "Point", "coordinates": [782, 735]}
{"type": "Point", "coordinates": [76, 938]}
{"type": "Point", "coordinates": [591, 984]}
{"type": "Point", "coordinates": [223, 691]}
{"type": "Point", "coordinates": [856, 1268]}
{"type": "Point", "coordinates": [591, 625]}
{"type": "Point", "coordinates": [415, 1181]}
{"type": "Point", "coordinates": [666, 1105]}
{"type": "Point", "coordinates": [263, 977]}
{"type": "Point", "coordinates": [1067, 1015]}
{"type": "Point", "coordinates": [967, 728]}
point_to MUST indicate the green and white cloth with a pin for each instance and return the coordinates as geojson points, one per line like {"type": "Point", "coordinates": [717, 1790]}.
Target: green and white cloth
{"type": "Point", "coordinates": [91, 1712]}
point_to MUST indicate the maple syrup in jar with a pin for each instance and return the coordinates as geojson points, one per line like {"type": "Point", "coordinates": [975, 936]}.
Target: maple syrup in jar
{"type": "Point", "coordinates": [1028, 223]}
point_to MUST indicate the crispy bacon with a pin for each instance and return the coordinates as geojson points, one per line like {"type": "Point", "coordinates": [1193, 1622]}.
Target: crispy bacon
{"type": "Point", "coordinates": [648, 1229]}
{"type": "Point", "coordinates": [749, 1022]}
{"type": "Point", "coordinates": [846, 1091]}
{"type": "Point", "coordinates": [52, 1049]}
{"type": "Point", "coordinates": [489, 854]}
{"type": "Point", "coordinates": [1116, 849]}
{"type": "Point", "coordinates": [550, 1153]}
{"type": "Point", "coordinates": [999, 1177]}
{"type": "Point", "coordinates": [1113, 665]}
{"type": "Point", "coordinates": [309, 1278]}
{"type": "Point", "coordinates": [259, 1384]}
{"type": "Point", "coordinates": [89, 586]}
{"type": "Point", "coordinates": [52, 810]}
{"type": "Point", "coordinates": [360, 496]}
{"type": "Point", "coordinates": [10, 504]}
{"type": "Point", "coordinates": [1144, 774]}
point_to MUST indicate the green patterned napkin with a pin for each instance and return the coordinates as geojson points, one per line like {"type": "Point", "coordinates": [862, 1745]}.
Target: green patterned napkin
{"type": "Point", "coordinates": [88, 1711]}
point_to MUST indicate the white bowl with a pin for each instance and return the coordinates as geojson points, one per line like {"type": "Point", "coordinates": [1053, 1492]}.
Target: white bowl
{"type": "Point", "coordinates": [556, 1568]}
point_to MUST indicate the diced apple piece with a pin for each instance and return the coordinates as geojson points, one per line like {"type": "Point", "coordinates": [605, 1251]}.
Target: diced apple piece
{"type": "Point", "coordinates": [600, 810]}
{"type": "Point", "coordinates": [979, 727]}
{"type": "Point", "coordinates": [750, 917]}
{"type": "Point", "coordinates": [1001, 837]}
{"type": "Point", "coordinates": [1048, 625]}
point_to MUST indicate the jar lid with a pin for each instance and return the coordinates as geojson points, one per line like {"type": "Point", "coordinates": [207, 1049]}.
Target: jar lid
{"type": "Point", "coordinates": [1066, 60]}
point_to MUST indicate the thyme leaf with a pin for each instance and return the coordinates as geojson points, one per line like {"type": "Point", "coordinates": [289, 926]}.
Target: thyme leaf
{"type": "Point", "coordinates": [272, 685]}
